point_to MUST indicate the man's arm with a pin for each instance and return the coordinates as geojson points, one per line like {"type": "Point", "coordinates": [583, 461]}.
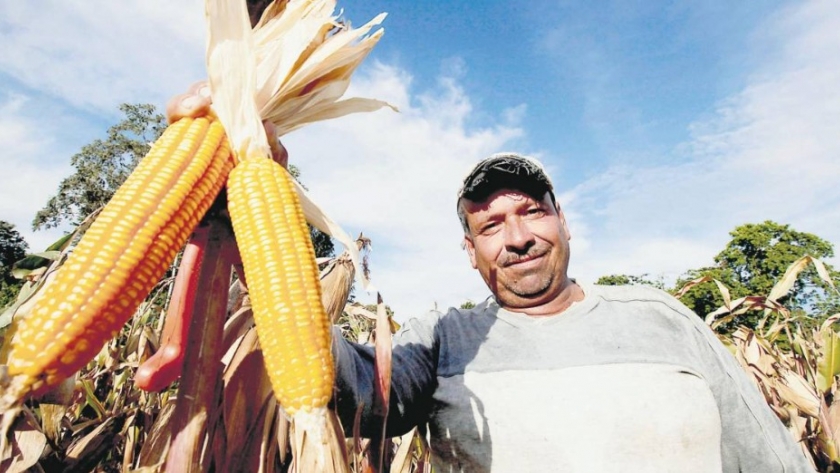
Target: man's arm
{"type": "Point", "coordinates": [413, 379]}
{"type": "Point", "coordinates": [753, 438]}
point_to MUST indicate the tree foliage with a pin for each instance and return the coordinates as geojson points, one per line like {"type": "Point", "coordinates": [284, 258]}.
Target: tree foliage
{"type": "Point", "coordinates": [12, 248]}
{"type": "Point", "coordinates": [628, 279]}
{"type": "Point", "coordinates": [753, 261]}
{"type": "Point", "coordinates": [102, 166]}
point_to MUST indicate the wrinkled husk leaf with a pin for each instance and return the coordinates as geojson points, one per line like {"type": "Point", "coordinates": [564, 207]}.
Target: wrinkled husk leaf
{"type": "Point", "coordinates": [291, 69]}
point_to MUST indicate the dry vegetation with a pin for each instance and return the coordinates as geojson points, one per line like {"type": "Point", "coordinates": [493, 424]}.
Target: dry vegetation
{"type": "Point", "coordinates": [794, 366]}
{"type": "Point", "coordinates": [100, 421]}
{"type": "Point", "coordinates": [222, 414]}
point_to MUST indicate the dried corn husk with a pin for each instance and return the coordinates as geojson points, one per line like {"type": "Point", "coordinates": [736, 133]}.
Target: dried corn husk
{"type": "Point", "coordinates": [337, 280]}
{"type": "Point", "coordinates": [291, 69]}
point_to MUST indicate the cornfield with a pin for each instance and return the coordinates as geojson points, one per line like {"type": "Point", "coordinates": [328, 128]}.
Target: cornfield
{"type": "Point", "coordinates": [209, 402]}
{"type": "Point", "coordinates": [99, 420]}
{"type": "Point", "coordinates": [794, 365]}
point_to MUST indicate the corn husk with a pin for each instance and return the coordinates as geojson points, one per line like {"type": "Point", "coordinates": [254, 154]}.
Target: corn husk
{"type": "Point", "coordinates": [291, 69]}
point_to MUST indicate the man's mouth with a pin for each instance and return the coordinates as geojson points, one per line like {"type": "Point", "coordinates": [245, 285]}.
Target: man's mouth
{"type": "Point", "coordinates": [515, 261]}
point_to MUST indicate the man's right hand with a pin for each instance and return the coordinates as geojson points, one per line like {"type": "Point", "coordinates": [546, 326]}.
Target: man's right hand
{"type": "Point", "coordinates": [196, 102]}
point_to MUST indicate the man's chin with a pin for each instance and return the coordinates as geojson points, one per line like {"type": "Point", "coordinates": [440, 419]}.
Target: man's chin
{"type": "Point", "coordinates": [529, 292]}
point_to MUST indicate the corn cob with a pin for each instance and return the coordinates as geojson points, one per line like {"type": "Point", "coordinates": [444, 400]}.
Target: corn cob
{"type": "Point", "coordinates": [122, 256]}
{"type": "Point", "coordinates": [279, 262]}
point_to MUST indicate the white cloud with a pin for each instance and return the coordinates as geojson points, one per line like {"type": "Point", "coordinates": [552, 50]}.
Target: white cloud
{"type": "Point", "coordinates": [28, 179]}
{"type": "Point", "coordinates": [62, 57]}
{"type": "Point", "coordinates": [98, 54]}
{"type": "Point", "coordinates": [770, 152]}
{"type": "Point", "coordinates": [394, 176]}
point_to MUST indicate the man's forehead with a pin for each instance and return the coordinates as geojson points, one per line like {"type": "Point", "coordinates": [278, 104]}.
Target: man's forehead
{"type": "Point", "coordinates": [514, 195]}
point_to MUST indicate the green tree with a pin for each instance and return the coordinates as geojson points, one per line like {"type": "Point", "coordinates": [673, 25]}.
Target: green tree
{"type": "Point", "coordinates": [12, 248]}
{"type": "Point", "coordinates": [629, 279]}
{"type": "Point", "coordinates": [753, 261]}
{"type": "Point", "coordinates": [102, 166]}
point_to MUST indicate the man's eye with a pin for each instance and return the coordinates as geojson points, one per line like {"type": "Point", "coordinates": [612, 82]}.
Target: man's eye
{"type": "Point", "coordinates": [489, 227]}
{"type": "Point", "coordinates": [536, 211]}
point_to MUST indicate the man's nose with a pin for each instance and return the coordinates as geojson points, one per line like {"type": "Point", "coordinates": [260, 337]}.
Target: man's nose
{"type": "Point", "coordinates": [518, 236]}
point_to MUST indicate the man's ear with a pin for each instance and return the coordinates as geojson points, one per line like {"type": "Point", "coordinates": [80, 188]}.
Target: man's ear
{"type": "Point", "coordinates": [563, 221]}
{"type": "Point", "coordinates": [468, 244]}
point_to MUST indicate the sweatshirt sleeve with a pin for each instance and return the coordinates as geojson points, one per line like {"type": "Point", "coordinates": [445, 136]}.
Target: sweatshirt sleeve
{"type": "Point", "coordinates": [753, 438]}
{"type": "Point", "coordinates": [413, 378]}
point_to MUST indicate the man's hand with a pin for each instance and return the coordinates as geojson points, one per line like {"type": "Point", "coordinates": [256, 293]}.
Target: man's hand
{"type": "Point", "coordinates": [196, 102]}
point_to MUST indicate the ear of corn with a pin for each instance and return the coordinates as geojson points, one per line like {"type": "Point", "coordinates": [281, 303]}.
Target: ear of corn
{"type": "Point", "coordinates": [122, 255]}
{"type": "Point", "coordinates": [283, 282]}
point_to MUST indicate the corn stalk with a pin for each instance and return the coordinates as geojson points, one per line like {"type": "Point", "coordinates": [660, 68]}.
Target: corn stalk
{"type": "Point", "coordinates": [796, 368]}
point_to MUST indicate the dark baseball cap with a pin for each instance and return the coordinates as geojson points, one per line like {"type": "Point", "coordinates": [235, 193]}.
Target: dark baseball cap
{"type": "Point", "coordinates": [506, 170]}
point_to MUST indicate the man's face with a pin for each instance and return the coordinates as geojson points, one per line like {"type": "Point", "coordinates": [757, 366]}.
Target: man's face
{"type": "Point", "coordinates": [520, 245]}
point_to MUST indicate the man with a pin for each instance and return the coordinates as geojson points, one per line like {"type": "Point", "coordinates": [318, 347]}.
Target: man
{"type": "Point", "coordinates": [551, 375]}
{"type": "Point", "coordinates": [547, 374]}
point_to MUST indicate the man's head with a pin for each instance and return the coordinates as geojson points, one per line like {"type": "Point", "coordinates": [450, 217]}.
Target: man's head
{"type": "Point", "coordinates": [514, 230]}
{"type": "Point", "coordinates": [503, 170]}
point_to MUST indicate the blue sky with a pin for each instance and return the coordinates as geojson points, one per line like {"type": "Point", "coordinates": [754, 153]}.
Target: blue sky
{"type": "Point", "coordinates": [663, 124]}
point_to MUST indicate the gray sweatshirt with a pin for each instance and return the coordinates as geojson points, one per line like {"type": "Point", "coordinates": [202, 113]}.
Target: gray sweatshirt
{"type": "Point", "coordinates": [628, 379]}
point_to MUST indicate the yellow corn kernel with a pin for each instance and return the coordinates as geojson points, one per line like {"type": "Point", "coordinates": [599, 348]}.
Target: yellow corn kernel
{"type": "Point", "coordinates": [122, 256]}
{"type": "Point", "coordinates": [283, 282]}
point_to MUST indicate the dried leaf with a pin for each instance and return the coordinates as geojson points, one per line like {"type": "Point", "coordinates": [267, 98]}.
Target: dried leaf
{"type": "Point", "coordinates": [721, 287]}
{"type": "Point", "coordinates": [51, 421]}
{"type": "Point", "coordinates": [402, 459]}
{"type": "Point", "coordinates": [784, 285]}
{"type": "Point", "coordinates": [235, 329]}
{"type": "Point", "coordinates": [796, 390]}
{"type": "Point", "coordinates": [130, 435]}
{"type": "Point", "coordinates": [359, 310]}
{"type": "Point", "coordinates": [247, 392]}
{"type": "Point", "coordinates": [831, 427]}
{"type": "Point", "coordinates": [281, 434]}
{"type": "Point", "coordinates": [290, 69]}
{"type": "Point", "coordinates": [268, 446]}
{"type": "Point", "coordinates": [320, 449]}
{"type": "Point", "coordinates": [336, 282]}
{"type": "Point", "coordinates": [254, 443]}
{"type": "Point", "coordinates": [86, 452]}
{"type": "Point", "coordinates": [828, 362]}
{"type": "Point", "coordinates": [156, 447]}
{"type": "Point", "coordinates": [27, 443]}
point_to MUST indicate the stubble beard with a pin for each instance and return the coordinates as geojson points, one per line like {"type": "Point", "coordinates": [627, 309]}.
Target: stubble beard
{"type": "Point", "coordinates": [527, 288]}
{"type": "Point", "coordinates": [533, 282]}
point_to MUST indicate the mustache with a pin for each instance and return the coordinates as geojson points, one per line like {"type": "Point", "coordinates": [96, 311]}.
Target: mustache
{"type": "Point", "coordinates": [511, 258]}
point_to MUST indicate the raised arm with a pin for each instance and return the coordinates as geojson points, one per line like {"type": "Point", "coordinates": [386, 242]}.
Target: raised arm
{"type": "Point", "coordinates": [413, 379]}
